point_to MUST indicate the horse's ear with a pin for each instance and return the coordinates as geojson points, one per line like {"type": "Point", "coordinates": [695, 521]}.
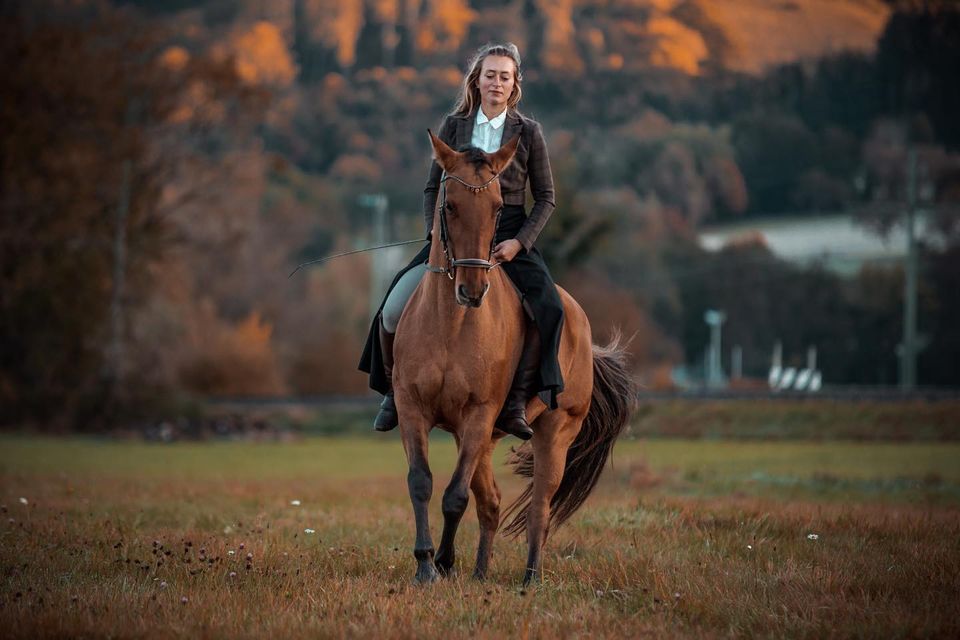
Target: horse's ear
{"type": "Point", "coordinates": [502, 157]}
{"type": "Point", "coordinates": [442, 153]}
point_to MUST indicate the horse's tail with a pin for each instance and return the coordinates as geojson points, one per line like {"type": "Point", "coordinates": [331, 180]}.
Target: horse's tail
{"type": "Point", "coordinates": [610, 407]}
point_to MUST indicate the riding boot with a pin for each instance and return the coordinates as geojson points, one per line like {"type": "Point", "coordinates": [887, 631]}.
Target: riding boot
{"type": "Point", "coordinates": [513, 416]}
{"type": "Point", "coordinates": [387, 419]}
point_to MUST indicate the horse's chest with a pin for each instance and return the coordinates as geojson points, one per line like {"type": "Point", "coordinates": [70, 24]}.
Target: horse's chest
{"type": "Point", "coordinates": [454, 381]}
{"type": "Point", "coordinates": [468, 359]}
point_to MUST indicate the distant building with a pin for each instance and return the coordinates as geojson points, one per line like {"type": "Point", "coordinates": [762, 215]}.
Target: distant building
{"type": "Point", "coordinates": [835, 240]}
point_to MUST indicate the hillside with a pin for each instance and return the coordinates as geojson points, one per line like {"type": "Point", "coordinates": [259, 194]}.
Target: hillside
{"type": "Point", "coordinates": [760, 34]}
{"type": "Point", "coordinates": [577, 36]}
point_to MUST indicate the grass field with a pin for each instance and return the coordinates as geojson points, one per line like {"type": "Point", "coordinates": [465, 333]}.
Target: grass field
{"type": "Point", "coordinates": [812, 418]}
{"type": "Point", "coordinates": [683, 538]}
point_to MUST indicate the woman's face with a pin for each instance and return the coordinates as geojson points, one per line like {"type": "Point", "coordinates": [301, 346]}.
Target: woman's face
{"type": "Point", "coordinates": [496, 82]}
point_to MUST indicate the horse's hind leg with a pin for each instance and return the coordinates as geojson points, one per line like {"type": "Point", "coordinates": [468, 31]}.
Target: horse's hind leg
{"type": "Point", "coordinates": [457, 495]}
{"type": "Point", "coordinates": [487, 493]}
{"type": "Point", "coordinates": [553, 434]}
{"type": "Point", "coordinates": [420, 484]}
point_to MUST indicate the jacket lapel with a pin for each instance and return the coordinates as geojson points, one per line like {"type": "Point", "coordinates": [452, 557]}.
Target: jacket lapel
{"type": "Point", "coordinates": [511, 127]}
{"type": "Point", "coordinates": [465, 130]}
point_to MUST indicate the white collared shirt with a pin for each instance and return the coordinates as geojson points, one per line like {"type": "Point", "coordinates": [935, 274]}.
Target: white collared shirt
{"type": "Point", "coordinates": [488, 134]}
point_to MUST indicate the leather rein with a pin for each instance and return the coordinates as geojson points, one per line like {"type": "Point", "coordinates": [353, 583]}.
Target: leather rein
{"type": "Point", "coordinates": [452, 262]}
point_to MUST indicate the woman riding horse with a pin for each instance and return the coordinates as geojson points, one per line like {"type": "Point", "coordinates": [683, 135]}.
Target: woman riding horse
{"type": "Point", "coordinates": [454, 366]}
{"type": "Point", "coordinates": [485, 117]}
{"type": "Point", "coordinates": [463, 335]}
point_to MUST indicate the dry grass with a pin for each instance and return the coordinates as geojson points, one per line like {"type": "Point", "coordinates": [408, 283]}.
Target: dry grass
{"type": "Point", "coordinates": [683, 538]}
{"type": "Point", "coordinates": [807, 419]}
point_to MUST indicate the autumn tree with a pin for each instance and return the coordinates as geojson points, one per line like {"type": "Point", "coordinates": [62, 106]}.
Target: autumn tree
{"type": "Point", "coordinates": [92, 125]}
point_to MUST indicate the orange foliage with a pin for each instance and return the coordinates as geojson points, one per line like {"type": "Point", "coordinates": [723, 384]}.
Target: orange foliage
{"type": "Point", "coordinates": [615, 61]}
{"type": "Point", "coordinates": [446, 26]}
{"type": "Point", "coordinates": [386, 10]}
{"type": "Point", "coordinates": [559, 47]}
{"type": "Point", "coordinates": [337, 24]}
{"type": "Point", "coordinates": [764, 34]}
{"type": "Point", "coordinates": [677, 46]}
{"type": "Point", "coordinates": [174, 58]}
{"type": "Point", "coordinates": [262, 56]}
{"type": "Point", "coordinates": [231, 359]}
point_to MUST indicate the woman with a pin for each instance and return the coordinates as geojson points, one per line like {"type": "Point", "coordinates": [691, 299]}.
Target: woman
{"type": "Point", "coordinates": [485, 117]}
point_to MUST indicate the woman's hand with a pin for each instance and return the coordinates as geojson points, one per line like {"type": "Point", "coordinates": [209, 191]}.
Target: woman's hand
{"type": "Point", "coordinates": [507, 250]}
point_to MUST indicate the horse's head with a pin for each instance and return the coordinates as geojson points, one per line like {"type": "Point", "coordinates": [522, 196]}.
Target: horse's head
{"type": "Point", "coordinates": [470, 205]}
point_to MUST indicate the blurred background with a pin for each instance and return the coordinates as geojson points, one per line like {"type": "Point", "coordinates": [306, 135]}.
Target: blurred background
{"type": "Point", "coordinates": [762, 195]}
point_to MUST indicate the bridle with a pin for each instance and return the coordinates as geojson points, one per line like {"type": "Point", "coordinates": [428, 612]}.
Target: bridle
{"type": "Point", "coordinates": [452, 263]}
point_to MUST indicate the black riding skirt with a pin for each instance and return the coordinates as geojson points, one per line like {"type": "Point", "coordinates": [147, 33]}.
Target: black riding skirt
{"type": "Point", "coordinates": [530, 275]}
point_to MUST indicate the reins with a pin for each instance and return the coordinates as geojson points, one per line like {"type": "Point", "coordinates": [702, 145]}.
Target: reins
{"type": "Point", "coordinates": [452, 261]}
{"type": "Point", "coordinates": [350, 253]}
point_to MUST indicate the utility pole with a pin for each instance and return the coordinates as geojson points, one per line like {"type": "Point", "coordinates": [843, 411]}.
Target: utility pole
{"type": "Point", "coordinates": [909, 347]}
{"type": "Point", "coordinates": [715, 320]}
{"type": "Point", "coordinates": [736, 362]}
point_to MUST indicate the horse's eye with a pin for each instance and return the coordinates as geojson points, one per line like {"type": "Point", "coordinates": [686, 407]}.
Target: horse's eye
{"type": "Point", "coordinates": [449, 207]}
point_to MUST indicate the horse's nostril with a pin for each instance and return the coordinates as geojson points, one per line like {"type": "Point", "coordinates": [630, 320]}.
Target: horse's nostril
{"type": "Point", "coordinates": [462, 290]}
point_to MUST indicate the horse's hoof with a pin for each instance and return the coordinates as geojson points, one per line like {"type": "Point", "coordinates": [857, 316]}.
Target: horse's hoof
{"type": "Point", "coordinates": [531, 577]}
{"type": "Point", "coordinates": [426, 574]}
{"type": "Point", "coordinates": [444, 566]}
{"type": "Point", "coordinates": [479, 576]}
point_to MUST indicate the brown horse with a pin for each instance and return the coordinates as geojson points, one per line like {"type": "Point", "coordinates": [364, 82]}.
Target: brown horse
{"type": "Point", "coordinates": [457, 347]}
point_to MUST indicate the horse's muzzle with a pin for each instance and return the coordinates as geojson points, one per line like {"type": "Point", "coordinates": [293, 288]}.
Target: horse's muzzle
{"type": "Point", "coordinates": [464, 299]}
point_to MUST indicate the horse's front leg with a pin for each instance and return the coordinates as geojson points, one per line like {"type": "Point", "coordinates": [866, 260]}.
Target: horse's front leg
{"type": "Point", "coordinates": [420, 484]}
{"type": "Point", "coordinates": [473, 436]}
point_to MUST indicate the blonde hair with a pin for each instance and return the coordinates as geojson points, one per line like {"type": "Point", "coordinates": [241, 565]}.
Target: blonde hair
{"type": "Point", "coordinates": [469, 91]}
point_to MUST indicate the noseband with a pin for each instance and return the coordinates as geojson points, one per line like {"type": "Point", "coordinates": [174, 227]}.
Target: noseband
{"type": "Point", "coordinates": [452, 263]}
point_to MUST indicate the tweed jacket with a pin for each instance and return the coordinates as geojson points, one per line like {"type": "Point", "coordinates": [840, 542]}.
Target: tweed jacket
{"type": "Point", "coordinates": [531, 161]}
